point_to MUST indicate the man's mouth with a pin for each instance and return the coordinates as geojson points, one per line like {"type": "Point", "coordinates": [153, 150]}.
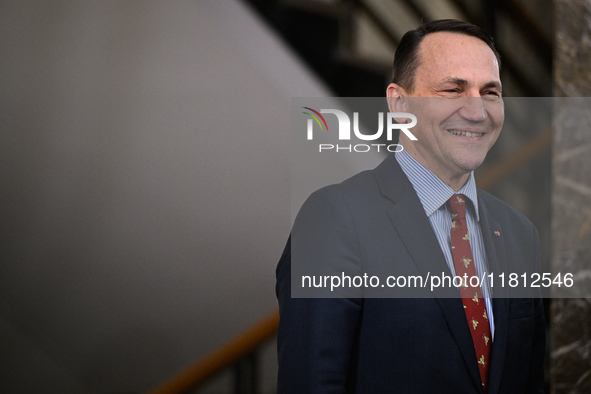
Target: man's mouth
{"type": "Point", "coordinates": [465, 133]}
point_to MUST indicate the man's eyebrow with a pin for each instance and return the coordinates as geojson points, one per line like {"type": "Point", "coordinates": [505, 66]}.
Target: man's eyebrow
{"type": "Point", "coordinates": [455, 81]}
{"type": "Point", "coordinates": [463, 82]}
{"type": "Point", "coordinates": [493, 84]}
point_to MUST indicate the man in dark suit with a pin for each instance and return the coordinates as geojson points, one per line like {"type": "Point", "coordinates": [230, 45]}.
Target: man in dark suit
{"type": "Point", "coordinates": [404, 214]}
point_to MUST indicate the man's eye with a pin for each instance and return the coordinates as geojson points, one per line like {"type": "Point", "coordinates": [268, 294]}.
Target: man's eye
{"type": "Point", "coordinates": [492, 93]}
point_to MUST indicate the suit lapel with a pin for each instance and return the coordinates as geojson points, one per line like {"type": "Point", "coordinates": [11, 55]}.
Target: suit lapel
{"type": "Point", "coordinates": [418, 237]}
{"type": "Point", "coordinates": [493, 244]}
{"type": "Point", "coordinates": [414, 229]}
{"type": "Point", "coordinates": [408, 218]}
{"type": "Point", "coordinates": [497, 263]}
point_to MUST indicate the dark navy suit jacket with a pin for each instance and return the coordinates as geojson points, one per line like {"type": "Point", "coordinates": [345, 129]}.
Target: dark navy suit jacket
{"type": "Point", "coordinates": [394, 345]}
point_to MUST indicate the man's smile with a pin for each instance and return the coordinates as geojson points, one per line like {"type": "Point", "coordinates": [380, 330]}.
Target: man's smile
{"type": "Point", "coordinates": [465, 133]}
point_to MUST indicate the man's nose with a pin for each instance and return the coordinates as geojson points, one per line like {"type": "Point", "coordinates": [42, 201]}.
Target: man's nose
{"type": "Point", "coordinates": [473, 109]}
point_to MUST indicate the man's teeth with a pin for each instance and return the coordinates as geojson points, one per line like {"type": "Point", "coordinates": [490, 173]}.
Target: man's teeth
{"type": "Point", "coordinates": [465, 133]}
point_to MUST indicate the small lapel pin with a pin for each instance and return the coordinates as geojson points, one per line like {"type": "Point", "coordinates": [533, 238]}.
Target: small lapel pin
{"type": "Point", "coordinates": [497, 233]}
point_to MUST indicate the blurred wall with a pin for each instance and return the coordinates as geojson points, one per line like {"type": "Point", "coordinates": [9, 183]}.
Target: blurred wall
{"type": "Point", "coordinates": [144, 186]}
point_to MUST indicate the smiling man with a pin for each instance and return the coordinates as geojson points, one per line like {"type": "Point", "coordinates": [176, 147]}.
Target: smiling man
{"type": "Point", "coordinates": [419, 211]}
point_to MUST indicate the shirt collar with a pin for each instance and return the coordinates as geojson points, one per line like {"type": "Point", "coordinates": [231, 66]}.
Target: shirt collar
{"type": "Point", "coordinates": [432, 191]}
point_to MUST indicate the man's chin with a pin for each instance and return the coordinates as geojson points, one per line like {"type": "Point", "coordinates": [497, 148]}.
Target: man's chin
{"type": "Point", "coordinates": [470, 165]}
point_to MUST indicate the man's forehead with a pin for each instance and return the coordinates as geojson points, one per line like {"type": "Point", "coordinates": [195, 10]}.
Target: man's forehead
{"type": "Point", "coordinates": [443, 44]}
{"type": "Point", "coordinates": [447, 51]}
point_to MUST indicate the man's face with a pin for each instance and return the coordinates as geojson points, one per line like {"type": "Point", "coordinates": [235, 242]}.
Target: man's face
{"type": "Point", "coordinates": [455, 129]}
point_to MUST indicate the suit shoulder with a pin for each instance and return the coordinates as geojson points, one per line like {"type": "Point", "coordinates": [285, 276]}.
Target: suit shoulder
{"type": "Point", "coordinates": [503, 210]}
{"type": "Point", "coordinates": [338, 205]}
{"type": "Point", "coordinates": [361, 183]}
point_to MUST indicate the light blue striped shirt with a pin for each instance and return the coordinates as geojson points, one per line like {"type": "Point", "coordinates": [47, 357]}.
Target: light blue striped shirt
{"type": "Point", "coordinates": [433, 194]}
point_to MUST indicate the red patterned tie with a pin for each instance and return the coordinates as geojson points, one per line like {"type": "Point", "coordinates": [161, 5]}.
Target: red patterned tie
{"type": "Point", "coordinates": [474, 305]}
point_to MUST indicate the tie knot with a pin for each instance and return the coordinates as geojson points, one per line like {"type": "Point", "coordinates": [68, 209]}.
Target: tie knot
{"type": "Point", "coordinates": [457, 206]}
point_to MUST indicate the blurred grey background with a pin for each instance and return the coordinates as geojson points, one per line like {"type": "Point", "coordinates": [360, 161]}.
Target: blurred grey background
{"type": "Point", "coordinates": [144, 186]}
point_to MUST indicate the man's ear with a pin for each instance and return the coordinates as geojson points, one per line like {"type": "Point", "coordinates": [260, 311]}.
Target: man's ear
{"type": "Point", "coordinates": [397, 101]}
{"type": "Point", "coordinates": [396, 98]}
